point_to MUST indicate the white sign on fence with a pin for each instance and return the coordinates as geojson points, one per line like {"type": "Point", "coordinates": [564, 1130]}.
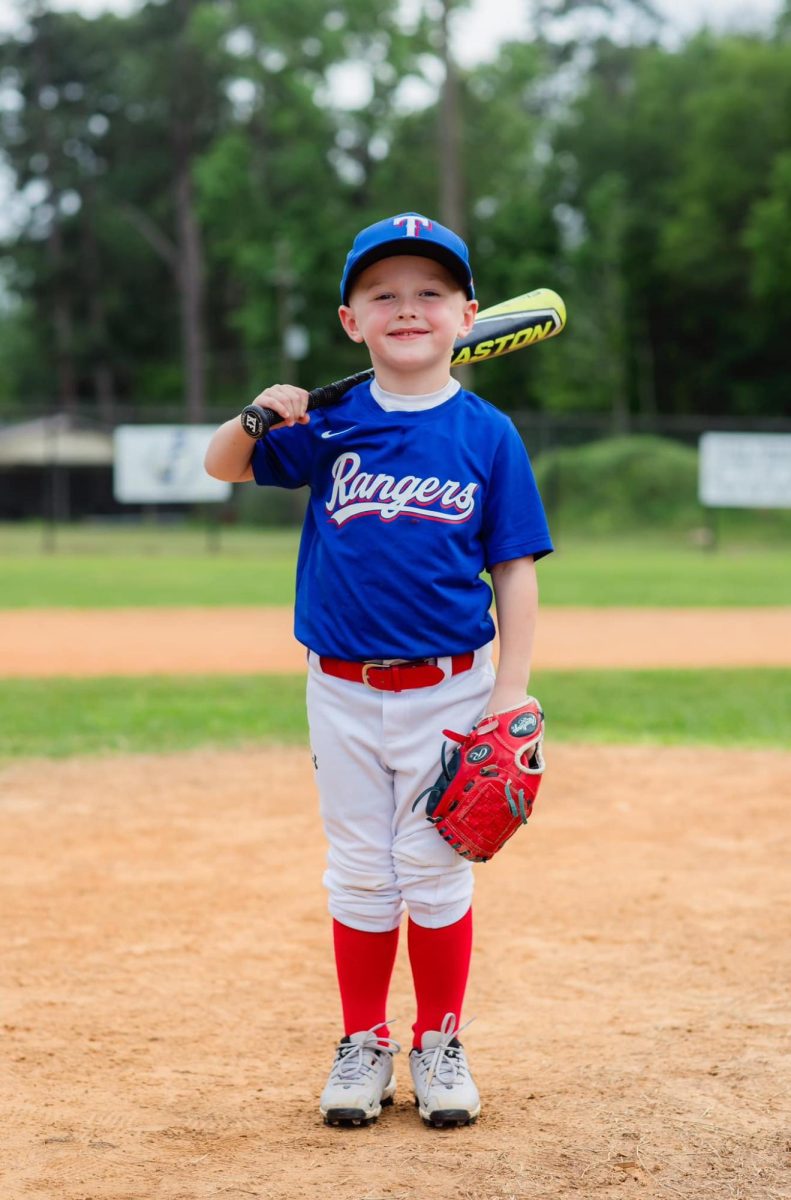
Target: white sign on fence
{"type": "Point", "coordinates": [163, 464]}
{"type": "Point", "coordinates": [745, 470]}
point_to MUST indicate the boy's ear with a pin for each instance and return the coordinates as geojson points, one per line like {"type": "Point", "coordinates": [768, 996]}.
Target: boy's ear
{"type": "Point", "coordinates": [468, 319]}
{"type": "Point", "coordinates": [349, 323]}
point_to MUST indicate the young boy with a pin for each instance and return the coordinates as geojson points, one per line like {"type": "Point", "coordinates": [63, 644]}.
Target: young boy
{"type": "Point", "coordinates": [416, 487]}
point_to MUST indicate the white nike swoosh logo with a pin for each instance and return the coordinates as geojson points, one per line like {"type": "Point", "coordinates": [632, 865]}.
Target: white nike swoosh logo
{"type": "Point", "coordinates": [328, 433]}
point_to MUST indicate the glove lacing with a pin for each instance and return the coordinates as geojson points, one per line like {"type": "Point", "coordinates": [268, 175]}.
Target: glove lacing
{"type": "Point", "coordinates": [516, 806]}
{"type": "Point", "coordinates": [438, 786]}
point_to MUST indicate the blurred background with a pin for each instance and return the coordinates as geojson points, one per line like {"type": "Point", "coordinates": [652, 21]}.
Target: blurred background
{"type": "Point", "coordinates": [181, 180]}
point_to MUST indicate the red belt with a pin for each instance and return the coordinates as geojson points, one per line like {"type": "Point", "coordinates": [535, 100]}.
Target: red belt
{"type": "Point", "coordinates": [397, 676]}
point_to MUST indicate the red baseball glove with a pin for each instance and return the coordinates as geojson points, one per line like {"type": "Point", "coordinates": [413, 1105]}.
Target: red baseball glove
{"type": "Point", "coordinates": [487, 788]}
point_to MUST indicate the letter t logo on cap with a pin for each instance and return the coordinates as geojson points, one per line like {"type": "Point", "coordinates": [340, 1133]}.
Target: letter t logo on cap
{"type": "Point", "coordinates": [413, 224]}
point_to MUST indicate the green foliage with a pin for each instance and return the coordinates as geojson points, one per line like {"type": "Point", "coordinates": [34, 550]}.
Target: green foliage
{"type": "Point", "coordinates": [696, 139]}
{"type": "Point", "coordinates": [767, 238]}
{"type": "Point", "coordinates": [63, 717]}
{"type": "Point", "coordinates": [22, 358]}
{"type": "Point", "coordinates": [621, 484]}
{"type": "Point", "coordinates": [654, 194]}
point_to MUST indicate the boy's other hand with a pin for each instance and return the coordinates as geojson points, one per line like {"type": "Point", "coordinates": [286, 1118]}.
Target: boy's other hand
{"type": "Point", "coordinates": [291, 402]}
{"type": "Point", "coordinates": [504, 697]}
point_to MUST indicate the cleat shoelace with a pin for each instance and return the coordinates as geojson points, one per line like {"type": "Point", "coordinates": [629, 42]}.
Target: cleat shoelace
{"type": "Point", "coordinates": [351, 1063]}
{"type": "Point", "coordinates": [446, 1064]}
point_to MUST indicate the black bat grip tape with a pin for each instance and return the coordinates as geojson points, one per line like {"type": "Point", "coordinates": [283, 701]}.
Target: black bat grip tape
{"type": "Point", "coordinates": [257, 421]}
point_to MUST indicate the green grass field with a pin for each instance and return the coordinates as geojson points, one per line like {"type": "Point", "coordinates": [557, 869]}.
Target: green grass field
{"type": "Point", "coordinates": [146, 565]}
{"type": "Point", "coordinates": [114, 567]}
{"type": "Point", "coordinates": [58, 718]}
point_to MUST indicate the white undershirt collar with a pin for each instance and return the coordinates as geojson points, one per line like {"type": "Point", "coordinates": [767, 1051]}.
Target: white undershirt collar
{"type": "Point", "coordinates": [392, 402]}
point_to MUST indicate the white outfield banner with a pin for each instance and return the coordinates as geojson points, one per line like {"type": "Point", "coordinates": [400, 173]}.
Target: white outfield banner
{"type": "Point", "coordinates": [745, 470]}
{"type": "Point", "coordinates": [163, 464]}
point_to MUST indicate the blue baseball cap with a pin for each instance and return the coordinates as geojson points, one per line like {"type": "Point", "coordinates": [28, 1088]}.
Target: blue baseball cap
{"type": "Point", "coordinates": [408, 233]}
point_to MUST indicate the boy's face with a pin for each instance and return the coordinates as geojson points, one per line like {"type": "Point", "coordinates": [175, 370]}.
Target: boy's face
{"type": "Point", "coordinates": [409, 311]}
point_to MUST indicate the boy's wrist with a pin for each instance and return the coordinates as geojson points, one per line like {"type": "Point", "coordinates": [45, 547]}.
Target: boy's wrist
{"type": "Point", "coordinates": [507, 695]}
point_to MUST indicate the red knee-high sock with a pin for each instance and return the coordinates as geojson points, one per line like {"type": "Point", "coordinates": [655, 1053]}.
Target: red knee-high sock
{"type": "Point", "coordinates": [364, 962]}
{"type": "Point", "coordinates": [440, 960]}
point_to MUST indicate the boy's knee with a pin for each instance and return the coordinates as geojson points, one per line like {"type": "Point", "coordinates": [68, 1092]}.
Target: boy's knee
{"type": "Point", "coordinates": [364, 901]}
{"type": "Point", "coordinates": [441, 899]}
{"type": "Point", "coordinates": [437, 916]}
{"type": "Point", "coordinates": [372, 912]}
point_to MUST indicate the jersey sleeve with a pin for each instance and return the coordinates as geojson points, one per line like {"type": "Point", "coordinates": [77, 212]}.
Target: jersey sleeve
{"type": "Point", "coordinates": [282, 458]}
{"type": "Point", "coordinates": [514, 522]}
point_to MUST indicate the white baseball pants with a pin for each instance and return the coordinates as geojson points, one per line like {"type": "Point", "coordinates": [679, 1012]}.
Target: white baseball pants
{"type": "Point", "coordinates": [374, 753]}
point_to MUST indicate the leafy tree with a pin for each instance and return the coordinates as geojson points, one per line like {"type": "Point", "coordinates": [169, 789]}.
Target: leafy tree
{"type": "Point", "coordinates": [52, 127]}
{"type": "Point", "coordinates": [286, 186]}
{"type": "Point", "coordinates": [693, 136]}
{"type": "Point", "coordinates": [106, 118]}
{"type": "Point", "coordinates": [767, 238]}
{"type": "Point", "coordinates": [192, 174]}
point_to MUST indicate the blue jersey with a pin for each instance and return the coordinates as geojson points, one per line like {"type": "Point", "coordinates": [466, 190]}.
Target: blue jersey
{"type": "Point", "coordinates": [406, 510]}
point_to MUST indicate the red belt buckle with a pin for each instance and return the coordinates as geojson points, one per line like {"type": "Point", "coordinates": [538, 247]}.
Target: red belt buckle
{"type": "Point", "coordinates": [394, 676]}
{"type": "Point", "coordinates": [367, 667]}
{"type": "Point", "coordinates": [402, 676]}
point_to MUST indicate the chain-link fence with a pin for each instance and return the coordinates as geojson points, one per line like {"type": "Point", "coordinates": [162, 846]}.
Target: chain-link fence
{"type": "Point", "coordinates": [58, 466]}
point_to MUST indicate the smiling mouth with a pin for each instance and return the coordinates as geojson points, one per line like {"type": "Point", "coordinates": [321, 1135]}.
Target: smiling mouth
{"type": "Point", "coordinates": [408, 333]}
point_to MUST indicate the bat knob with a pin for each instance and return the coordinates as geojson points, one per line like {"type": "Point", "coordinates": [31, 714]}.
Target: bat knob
{"type": "Point", "coordinates": [254, 421]}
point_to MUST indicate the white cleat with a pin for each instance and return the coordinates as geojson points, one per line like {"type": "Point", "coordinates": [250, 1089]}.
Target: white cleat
{"type": "Point", "coordinates": [445, 1091]}
{"type": "Point", "coordinates": [361, 1081]}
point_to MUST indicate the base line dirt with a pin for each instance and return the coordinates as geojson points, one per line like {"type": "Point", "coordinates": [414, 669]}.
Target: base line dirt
{"type": "Point", "coordinates": [198, 641]}
{"type": "Point", "coordinates": [169, 1003]}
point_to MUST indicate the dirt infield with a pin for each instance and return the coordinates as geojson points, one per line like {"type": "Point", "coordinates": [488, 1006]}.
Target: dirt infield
{"type": "Point", "coordinates": [170, 1009]}
{"type": "Point", "coordinates": [195, 641]}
